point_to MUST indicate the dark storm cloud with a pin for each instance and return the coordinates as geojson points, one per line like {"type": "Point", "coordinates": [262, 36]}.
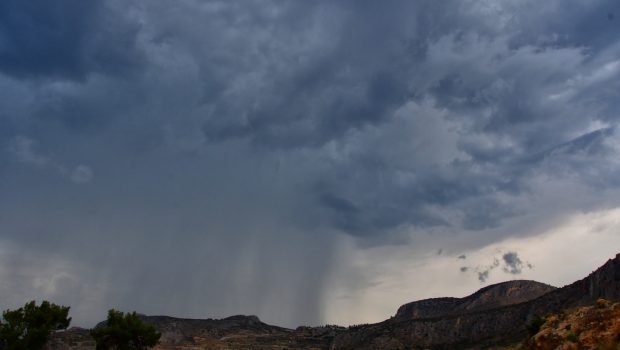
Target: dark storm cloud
{"type": "Point", "coordinates": [338, 82]}
{"type": "Point", "coordinates": [240, 140]}
{"type": "Point", "coordinates": [64, 39]}
{"type": "Point", "coordinates": [340, 205]}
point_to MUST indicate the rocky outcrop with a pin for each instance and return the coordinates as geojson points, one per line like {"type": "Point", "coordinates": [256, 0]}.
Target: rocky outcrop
{"type": "Point", "coordinates": [589, 327]}
{"type": "Point", "coordinates": [491, 297]}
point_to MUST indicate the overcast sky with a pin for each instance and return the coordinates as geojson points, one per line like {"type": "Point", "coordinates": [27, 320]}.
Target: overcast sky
{"type": "Point", "coordinates": [305, 161]}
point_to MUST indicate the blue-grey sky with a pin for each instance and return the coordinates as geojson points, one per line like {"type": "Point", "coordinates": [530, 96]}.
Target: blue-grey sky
{"type": "Point", "coordinates": [207, 158]}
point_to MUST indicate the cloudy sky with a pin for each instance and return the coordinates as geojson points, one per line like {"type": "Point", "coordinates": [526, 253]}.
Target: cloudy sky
{"type": "Point", "coordinates": [305, 161]}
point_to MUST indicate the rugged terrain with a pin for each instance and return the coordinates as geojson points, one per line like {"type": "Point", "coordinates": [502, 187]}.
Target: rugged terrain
{"type": "Point", "coordinates": [235, 332]}
{"type": "Point", "coordinates": [494, 316]}
{"type": "Point", "coordinates": [589, 327]}
{"type": "Point", "coordinates": [483, 327]}
{"type": "Point", "coordinates": [491, 297]}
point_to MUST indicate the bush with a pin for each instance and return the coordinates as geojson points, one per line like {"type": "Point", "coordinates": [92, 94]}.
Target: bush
{"type": "Point", "coordinates": [572, 337]}
{"type": "Point", "coordinates": [125, 332]}
{"type": "Point", "coordinates": [602, 303]}
{"type": "Point", "coordinates": [28, 327]}
{"type": "Point", "coordinates": [535, 325]}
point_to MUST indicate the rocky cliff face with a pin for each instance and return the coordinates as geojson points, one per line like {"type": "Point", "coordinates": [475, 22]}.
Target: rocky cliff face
{"type": "Point", "coordinates": [493, 316]}
{"type": "Point", "coordinates": [491, 297]}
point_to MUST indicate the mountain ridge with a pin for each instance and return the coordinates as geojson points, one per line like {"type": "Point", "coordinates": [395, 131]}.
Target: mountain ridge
{"type": "Point", "coordinates": [488, 317]}
{"type": "Point", "coordinates": [494, 326]}
{"type": "Point", "coordinates": [489, 297]}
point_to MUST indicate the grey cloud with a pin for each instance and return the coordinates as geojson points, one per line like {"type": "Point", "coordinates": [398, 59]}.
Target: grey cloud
{"type": "Point", "coordinates": [482, 276]}
{"type": "Point", "coordinates": [512, 263]}
{"type": "Point", "coordinates": [23, 148]}
{"type": "Point", "coordinates": [82, 174]}
{"type": "Point", "coordinates": [591, 143]}
{"type": "Point", "coordinates": [462, 257]}
{"type": "Point", "coordinates": [25, 151]}
{"type": "Point", "coordinates": [339, 204]}
{"type": "Point", "coordinates": [346, 215]}
{"type": "Point", "coordinates": [482, 272]}
{"type": "Point", "coordinates": [333, 86]}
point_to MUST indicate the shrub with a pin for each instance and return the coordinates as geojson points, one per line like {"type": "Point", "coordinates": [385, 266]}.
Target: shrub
{"type": "Point", "coordinates": [535, 325]}
{"type": "Point", "coordinates": [28, 327]}
{"type": "Point", "coordinates": [602, 303]}
{"type": "Point", "coordinates": [125, 332]}
{"type": "Point", "coordinates": [572, 337]}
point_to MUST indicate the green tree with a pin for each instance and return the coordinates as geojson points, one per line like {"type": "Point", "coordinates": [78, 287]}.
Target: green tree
{"type": "Point", "coordinates": [28, 327]}
{"type": "Point", "coordinates": [125, 331]}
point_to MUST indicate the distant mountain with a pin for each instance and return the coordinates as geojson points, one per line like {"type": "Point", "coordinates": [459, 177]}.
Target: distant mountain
{"type": "Point", "coordinates": [482, 328]}
{"type": "Point", "coordinates": [493, 316]}
{"type": "Point", "coordinates": [236, 332]}
{"type": "Point", "coordinates": [491, 297]}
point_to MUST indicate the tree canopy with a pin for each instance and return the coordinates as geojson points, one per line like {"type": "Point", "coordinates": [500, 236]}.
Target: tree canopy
{"type": "Point", "coordinates": [28, 327]}
{"type": "Point", "coordinates": [125, 331]}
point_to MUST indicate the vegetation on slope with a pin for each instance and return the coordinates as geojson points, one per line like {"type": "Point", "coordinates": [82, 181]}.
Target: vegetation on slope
{"type": "Point", "coordinates": [590, 327]}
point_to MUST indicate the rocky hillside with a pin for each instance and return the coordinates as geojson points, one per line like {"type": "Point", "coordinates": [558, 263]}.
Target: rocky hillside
{"type": "Point", "coordinates": [236, 332]}
{"type": "Point", "coordinates": [483, 328]}
{"type": "Point", "coordinates": [491, 297]}
{"type": "Point", "coordinates": [589, 327]}
{"type": "Point", "coordinates": [492, 317]}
